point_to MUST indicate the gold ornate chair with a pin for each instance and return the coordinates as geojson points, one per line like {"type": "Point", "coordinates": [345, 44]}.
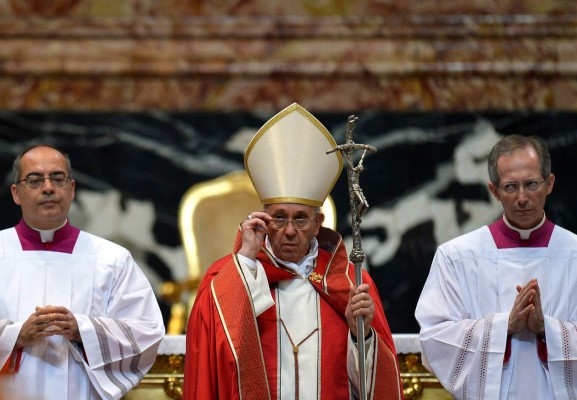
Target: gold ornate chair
{"type": "Point", "coordinates": [208, 219]}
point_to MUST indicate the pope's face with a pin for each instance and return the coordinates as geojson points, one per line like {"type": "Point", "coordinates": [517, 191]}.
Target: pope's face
{"type": "Point", "coordinates": [45, 207]}
{"type": "Point", "coordinates": [524, 208]}
{"type": "Point", "coordinates": [289, 243]}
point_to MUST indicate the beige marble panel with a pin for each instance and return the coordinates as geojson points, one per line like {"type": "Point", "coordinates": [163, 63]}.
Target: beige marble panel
{"type": "Point", "coordinates": [259, 55]}
{"type": "Point", "coordinates": [269, 95]}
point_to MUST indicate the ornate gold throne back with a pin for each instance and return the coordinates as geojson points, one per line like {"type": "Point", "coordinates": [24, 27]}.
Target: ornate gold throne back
{"type": "Point", "coordinates": [209, 216]}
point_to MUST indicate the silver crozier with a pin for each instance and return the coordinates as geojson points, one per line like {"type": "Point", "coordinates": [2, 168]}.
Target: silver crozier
{"type": "Point", "coordinates": [359, 207]}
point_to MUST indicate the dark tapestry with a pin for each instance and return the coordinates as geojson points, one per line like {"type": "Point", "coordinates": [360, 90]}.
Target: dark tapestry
{"type": "Point", "coordinates": [425, 185]}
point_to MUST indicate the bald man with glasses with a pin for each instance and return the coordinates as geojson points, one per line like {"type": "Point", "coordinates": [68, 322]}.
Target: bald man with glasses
{"type": "Point", "coordinates": [497, 313]}
{"type": "Point", "coordinates": [78, 318]}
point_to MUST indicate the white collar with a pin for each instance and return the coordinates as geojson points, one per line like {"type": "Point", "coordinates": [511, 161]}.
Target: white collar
{"type": "Point", "coordinates": [305, 266]}
{"type": "Point", "coordinates": [525, 233]}
{"type": "Point", "coordinates": [47, 235]}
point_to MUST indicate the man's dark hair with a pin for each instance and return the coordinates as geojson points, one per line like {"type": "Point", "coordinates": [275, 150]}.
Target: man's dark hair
{"type": "Point", "coordinates": [511, 143]}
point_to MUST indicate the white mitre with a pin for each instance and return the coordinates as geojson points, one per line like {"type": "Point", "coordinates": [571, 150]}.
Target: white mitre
{"type": "Point", "coordinates": [287, 159]}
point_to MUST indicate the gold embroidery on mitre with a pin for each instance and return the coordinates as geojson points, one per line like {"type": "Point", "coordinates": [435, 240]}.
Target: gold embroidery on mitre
{"type": "Point", "coordinates": [315, 277]}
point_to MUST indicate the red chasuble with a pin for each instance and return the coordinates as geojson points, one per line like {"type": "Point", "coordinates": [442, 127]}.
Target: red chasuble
{"type": "Point", "coordinates": [232, 354]}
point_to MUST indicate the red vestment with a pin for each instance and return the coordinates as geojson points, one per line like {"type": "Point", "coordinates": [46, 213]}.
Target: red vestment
{"type": "Point", "coordinates": [232, 354]}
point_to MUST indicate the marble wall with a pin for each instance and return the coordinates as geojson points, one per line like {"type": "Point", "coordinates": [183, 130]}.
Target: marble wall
{"type": "Point", "coordinates": [150, 97]}
{"type": "Point", "coordinates": [257, 55]}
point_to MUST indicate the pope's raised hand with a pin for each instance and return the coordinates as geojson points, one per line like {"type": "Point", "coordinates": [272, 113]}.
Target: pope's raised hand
{"type": "Point", "coordinates": [253, 230]}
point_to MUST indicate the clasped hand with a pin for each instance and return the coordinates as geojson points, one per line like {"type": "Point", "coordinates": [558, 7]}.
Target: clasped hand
{"type": "Point", "coordinates": [527, 311]}
{"type": "Point", "coordinates": [48, 321]}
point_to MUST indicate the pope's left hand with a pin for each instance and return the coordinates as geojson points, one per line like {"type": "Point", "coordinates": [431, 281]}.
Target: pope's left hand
{"type": "Point", "coordinates": [360, 303]}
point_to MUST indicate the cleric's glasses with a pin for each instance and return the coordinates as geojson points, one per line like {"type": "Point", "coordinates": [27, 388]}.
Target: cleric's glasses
{"type": "Point", "coordinates": [34, 181]}
{"type": "Point", "coordinates": [530, 185]}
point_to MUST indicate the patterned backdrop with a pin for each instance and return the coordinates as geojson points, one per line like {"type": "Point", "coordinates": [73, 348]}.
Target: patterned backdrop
{"type": "Point", "coordinates": [426, 183]}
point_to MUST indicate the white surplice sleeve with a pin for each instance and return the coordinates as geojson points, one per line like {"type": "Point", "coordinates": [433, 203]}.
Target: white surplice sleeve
{"type": "Point", "coordinates": [561, 343]}
{"type": "Point", "coordinates": [257, 283]}
{"type": "Point", "coordinates": [463, 352]}
{"type": "Point", "coordinates": [8, 336]}
{"type": "Point", "coordinates": [560, 309]}
{"type": "Point", "coordinates": [120, 346]}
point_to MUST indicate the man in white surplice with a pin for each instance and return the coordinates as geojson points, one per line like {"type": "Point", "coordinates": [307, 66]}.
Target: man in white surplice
{"type": "Point", "coordinates": [78, 318]}
{"type": "Point", "coordinates": [497, 313]}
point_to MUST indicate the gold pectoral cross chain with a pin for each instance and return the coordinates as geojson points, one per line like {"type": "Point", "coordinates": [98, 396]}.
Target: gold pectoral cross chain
{"type": "Point", "coordinates": [296, 355]}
